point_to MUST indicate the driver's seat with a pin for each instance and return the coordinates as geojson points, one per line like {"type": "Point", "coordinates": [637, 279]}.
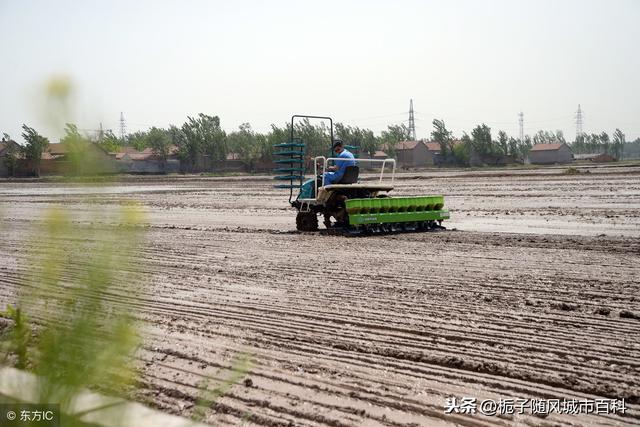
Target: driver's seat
{"type": "Point", "coordinates": [350, 175]}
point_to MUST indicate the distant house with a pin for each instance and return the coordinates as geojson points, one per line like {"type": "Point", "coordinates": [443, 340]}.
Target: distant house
{"type": "Point", "coordinates": [546, 154]}
{"type": "Point", "coordinates": [594, 157]}
{"type": "Point", "coordinates": [84, 158]}
{"type": "Point", "coordinates": [433, 147]}
{"type": "Point", "coordinates": [130, 160]}
{"type": "Point", "coordinates": [377, 155]}
{"type": "Point", "coordinates": [380, 155]}
{"type": "Point", "coordinates": [436, 151]}
{"type": "Point", "coordinates": [413, 154]}
{"type": "Point", "coordinates": [56, 151]}
{"type": "Point", "coordinates": [128, 154]}
{"type": "Point", "coordinates": [6, 147]}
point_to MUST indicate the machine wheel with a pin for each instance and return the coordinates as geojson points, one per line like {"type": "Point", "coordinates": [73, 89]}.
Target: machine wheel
{"type": "Point", "coordinates": [307, 221]}
{"type": "Point", "coordinates": [336, 208]}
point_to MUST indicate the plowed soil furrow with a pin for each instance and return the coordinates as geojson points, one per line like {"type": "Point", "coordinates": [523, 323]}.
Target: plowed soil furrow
{"type": "Point", "coordinates": [453, 334]}
{"type": "Point", "coordinates": [535, 296]}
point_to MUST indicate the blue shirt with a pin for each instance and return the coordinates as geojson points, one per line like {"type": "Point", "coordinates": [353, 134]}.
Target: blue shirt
{"type": "Point", "coordinates": [335, 177]}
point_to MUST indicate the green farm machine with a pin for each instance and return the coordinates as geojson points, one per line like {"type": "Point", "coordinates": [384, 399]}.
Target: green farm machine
{"type": "Point", "coordinates": [356, 205]}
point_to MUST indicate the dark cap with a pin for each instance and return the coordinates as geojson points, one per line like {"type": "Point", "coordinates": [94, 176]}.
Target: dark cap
{"type": "Point", "coordinates": [337, 143]}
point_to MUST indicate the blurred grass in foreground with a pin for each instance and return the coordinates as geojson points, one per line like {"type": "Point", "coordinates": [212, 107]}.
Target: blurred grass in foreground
{"type": "Point", "coordinates": [72, 326]}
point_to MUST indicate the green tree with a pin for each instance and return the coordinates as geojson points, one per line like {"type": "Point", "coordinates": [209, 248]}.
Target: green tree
{"type": "Point", "coordinates": [547, 137]}
{"type": "Point", "coordinates": [11, 154]}
{"type": "Point", "coordinates": [525, 147]}
{"type": "Point", "coordinates": [578, 145]}
{"type": "Point", "coordinates": [245, 143]}
{"type": "Point", "coordinates": [394, 134]}
{"type": "Point", "coordinates": [503, 143]}
{"type": "Point", "coordinates": [36, 145]}
{"type": "Point", "coordinates": [364, 139]}
{"type": "Point", "coordinates": [187, 153]}
{"type": "Point", "coordinates": [631, 149]}
{"type": "Point", "coordinates": [265, 149]}
{"type": "Point", "coordinates": [278, 135]}
{"type": "Point", "coordinates": [444, 137]}
{"type": "Point", "coordinates": [203, 136]}
{"type": "Point", "coordinates": [110, 142]}
{"type": "Point", "coordinates": [593, 143]}
{"type": "Point", "coordinates": [513, 149]}
{"type": "Point", "coordinates": [316, 137]}
{"type": "Point", "coordinates": [159, 141]}
{"type": "Point", "coordinates": [368, 142]}
{"type": "Point", "coordinates": [543, 137]}
{"type": "Point", "coordinates": [176, 135]}
{"type": "Point", "coordinates": [481, 142]}
{"type": "Point", "coordinates": [137, 140]}
{"type": "Point", "coordinates": [605, 142]}
{"type": "Point", "coordinates": [462, 152]}
{"type": "Point", "coordinates": [618, 144]}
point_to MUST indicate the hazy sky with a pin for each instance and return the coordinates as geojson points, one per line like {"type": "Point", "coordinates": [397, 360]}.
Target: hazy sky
{"type": "Point", "coordinates": [360, 62]}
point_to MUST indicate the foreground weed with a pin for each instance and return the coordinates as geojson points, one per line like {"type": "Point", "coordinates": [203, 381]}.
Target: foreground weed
{"type": "Point", "coordinates": [76, 291]}
{"type": "Point", "coordinates": [16, 339]}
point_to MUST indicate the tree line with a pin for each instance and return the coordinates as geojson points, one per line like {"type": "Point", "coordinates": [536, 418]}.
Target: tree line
{"type": "Point", "coordinates": [202, 137]}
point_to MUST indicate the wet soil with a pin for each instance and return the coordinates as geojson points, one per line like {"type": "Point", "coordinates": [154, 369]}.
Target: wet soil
{"type": "Point", "coordinates": [536, 294]}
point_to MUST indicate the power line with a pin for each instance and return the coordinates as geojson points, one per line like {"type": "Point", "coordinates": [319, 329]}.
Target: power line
{"type": "Point", "coordinates": [376, 117]}
{"type": "Point", "coordinates": [554, 119]}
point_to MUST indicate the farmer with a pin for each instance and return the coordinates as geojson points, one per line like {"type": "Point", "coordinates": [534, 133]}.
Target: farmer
{"type": "Point", "coordinates": [337, 171]}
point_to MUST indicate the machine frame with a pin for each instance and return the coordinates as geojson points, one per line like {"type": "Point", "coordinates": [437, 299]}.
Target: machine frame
{"type": "Point", "coordinates": [357, 208]}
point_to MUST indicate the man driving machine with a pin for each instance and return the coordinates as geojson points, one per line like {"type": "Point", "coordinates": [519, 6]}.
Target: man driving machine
{"type": "Point", "coordinates": [336, 172]}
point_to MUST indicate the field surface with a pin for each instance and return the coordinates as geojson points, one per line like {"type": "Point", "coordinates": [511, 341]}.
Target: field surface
{"type": "Point", "coordinates": [533, 294]}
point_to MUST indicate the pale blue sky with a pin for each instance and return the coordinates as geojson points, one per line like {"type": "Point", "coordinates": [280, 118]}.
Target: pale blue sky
{"type": "Point", "coordinates": [467, 62]}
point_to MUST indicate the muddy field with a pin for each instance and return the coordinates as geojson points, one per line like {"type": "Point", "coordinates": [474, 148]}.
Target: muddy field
{"type": "Point", "coordinates": [535, 294]}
